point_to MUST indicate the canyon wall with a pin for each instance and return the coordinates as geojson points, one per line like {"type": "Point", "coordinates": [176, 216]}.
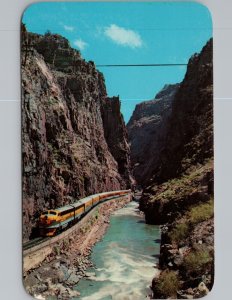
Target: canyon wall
{"type": "Point", "coordinates": [147, 130]}
{"type": "Point", "coordinates": [189, 139]}
{"type": "Point", "coordinates": [74, 140]}
{"type": "Point", "coordinates": [179, 193]}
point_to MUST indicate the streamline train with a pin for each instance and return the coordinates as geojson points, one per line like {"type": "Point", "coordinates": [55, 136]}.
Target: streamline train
{"type": "Point", "coordinates": [55, 220]}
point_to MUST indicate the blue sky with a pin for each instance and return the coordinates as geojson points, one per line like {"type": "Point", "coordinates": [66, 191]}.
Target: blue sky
{"type": "Point", "coordinates": [128, 33]}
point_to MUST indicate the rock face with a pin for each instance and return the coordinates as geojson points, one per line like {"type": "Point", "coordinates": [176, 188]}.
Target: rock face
{"type": "Point", "coordinates": [190, 133]}
{"type": "Point", "coordinates": [74, 140]}
{"type": "Point", "coordinates": [147, 130]}
{"type": "Point", "coordinates": [116, 136]}
{"type": "Point", "coordinates": [179, 194]}
{"type": "Point", "coordinates": [189, 140]}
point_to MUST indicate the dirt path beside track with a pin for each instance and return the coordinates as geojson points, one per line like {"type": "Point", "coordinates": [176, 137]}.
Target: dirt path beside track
{"type": "Point", "coordinates": [67, 261]}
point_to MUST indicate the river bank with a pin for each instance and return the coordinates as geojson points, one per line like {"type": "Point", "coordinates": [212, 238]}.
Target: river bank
{"type": "Point", "coordinates": [125, 260]}
{"type": "Point", "coordinates": [62, 269]}
{"type": "Point", "coordinates": [185, 205]}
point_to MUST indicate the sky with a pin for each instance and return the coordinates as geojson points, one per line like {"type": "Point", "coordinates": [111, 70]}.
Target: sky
{"type": "Point", "coordinates": [128, 33]}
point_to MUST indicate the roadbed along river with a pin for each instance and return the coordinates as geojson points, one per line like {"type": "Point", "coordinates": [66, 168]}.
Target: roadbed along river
{"type": "Point", "coordinates": [66, 264]}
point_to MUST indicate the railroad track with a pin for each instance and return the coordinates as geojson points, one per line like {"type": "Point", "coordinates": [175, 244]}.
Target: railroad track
{"type": "Point", "coordinates": [39, 240]}
{"type": "Point", "coordinates": [34, 242]}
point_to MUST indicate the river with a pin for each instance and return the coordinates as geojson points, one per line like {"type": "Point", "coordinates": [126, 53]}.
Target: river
{"type": "Point", "coordinates": [124, 259]}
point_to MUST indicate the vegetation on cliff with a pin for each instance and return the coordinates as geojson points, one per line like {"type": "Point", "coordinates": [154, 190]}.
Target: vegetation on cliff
{"type": "Point", "coordinates": [179, 192]}
{"type": "Point", "coordinates": [74, 143]}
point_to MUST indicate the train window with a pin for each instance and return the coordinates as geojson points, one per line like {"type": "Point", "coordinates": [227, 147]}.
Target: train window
{"type": "Point", "coordinates": [52, 212]}
{"type": "Point", "coordinates": [66, 212]}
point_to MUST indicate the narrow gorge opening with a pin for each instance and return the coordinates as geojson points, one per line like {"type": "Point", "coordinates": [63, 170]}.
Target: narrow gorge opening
{"type": "Point", "coordinates": [86, 151]}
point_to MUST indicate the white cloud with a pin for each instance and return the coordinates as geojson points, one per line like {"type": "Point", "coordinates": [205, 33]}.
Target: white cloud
{"type": "Point", "coordinates": [68, 28]}
{"type": "Point", "coordinates": [80, 44]}
{"type": "Point", "coordinates": [123, 36]}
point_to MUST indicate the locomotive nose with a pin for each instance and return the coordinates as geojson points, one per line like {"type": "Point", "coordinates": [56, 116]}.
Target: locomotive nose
{"type": "Point", "coordinates": [43, 219]}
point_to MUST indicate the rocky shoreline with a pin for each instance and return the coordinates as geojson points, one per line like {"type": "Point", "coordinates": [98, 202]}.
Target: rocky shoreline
{"type": "Point", "coordinates": [60, 272]}
{"type": "Point", "coordinates": [180, 193]}
{"type": "Point", "coordinates": [186, 260]}
{"type": "Point", "coordinates": [187, 266]}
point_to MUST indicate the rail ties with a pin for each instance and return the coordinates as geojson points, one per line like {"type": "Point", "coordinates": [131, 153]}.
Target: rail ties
{"type": "Point", "coordinates": [34, 242]}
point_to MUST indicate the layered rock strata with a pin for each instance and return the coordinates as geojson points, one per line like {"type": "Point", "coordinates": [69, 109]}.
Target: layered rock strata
{"type": "Point", "coordinates": [74, 141]}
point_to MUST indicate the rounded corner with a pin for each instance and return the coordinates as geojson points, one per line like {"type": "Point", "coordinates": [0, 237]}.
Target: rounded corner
{"type": "Point", "coordinates": [25, 289]}
{"type": "Point", "coordinates": [203, 5]}
{"type": "Point", "coordinates": [27, 7]}
{"type": "Point", "coordinates": [205, 296]}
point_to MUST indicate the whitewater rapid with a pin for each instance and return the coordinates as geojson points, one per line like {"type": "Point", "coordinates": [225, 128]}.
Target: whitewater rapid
{"type": "Point", "coordinates": [125, 259]}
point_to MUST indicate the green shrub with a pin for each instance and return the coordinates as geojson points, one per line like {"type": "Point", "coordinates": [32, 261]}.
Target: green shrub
{"type": "Point", "coordinates": [201, 212]}
{"type": "Point", "coordinates": [56, 250]}
{"type": "Point", "coordinates": [179, 233]}
{"type": "Point", "coordinates": [168, 283]}
{"type": "Point", "coordinates": [197, 261]}
{"type": "Point", "coordinates": [51, 101]}
{"type": "Point", "coordinates": [195, 215]}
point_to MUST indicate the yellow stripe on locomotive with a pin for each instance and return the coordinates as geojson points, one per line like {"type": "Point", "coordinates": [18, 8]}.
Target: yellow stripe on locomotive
{"type": "Point", "coordinates": [54, 220]}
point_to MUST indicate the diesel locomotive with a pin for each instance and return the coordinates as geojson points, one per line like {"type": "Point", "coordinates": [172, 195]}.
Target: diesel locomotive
{"type": "Point", "coordinates": [55, 220]}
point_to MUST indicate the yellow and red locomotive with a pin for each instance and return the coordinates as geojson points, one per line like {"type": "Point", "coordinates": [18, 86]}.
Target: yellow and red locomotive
{"type": "Point", "coordinates": [55, 220]}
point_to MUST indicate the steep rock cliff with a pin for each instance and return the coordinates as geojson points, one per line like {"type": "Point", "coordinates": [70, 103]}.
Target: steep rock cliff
{"type": "Point", "coordinates": [68, 149]}
{"type": "Point", "coordinates": [116, 135]}
{"type": "Point", "coordinates": [190, 134]}
{"type": "Point", "coordinates": [147, 130]}
{"type": "Point", "coordinates": [189, 139]}
{"type": "Point", "coordinates": [180, 192]}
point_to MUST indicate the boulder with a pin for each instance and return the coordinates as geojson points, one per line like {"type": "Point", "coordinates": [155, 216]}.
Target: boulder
{"type": "Point", "coordinates": [73, 279]}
